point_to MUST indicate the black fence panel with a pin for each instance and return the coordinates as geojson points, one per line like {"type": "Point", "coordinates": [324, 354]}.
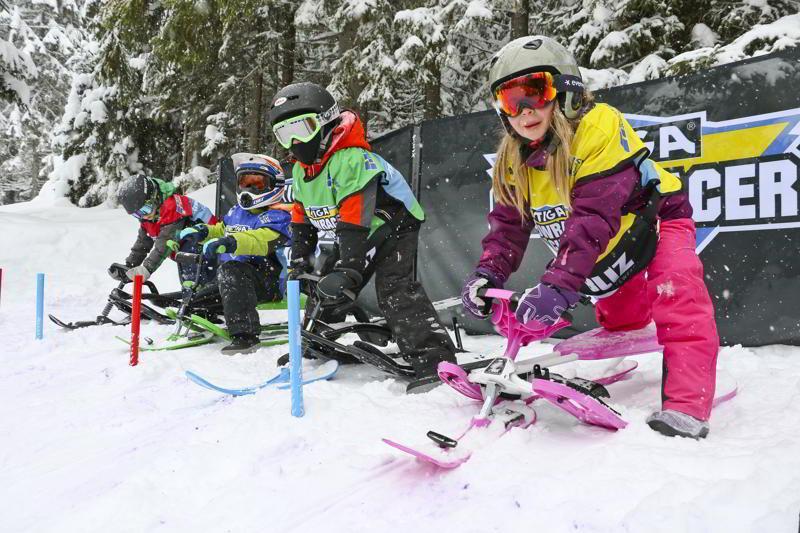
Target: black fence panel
{"type": "Point", "coordinates": [226, 187]}
{"type": "Point", "coordinates": [732, 134]}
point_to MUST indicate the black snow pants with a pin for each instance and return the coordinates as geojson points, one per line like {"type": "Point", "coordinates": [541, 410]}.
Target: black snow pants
{"type": "Point", "coordinates": [242, 287]}
{"type": "Point", "coordinates": [402, 300]}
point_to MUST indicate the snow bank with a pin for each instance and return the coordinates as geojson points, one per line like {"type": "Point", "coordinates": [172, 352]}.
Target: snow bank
{"type": "Point", "coordinates": [110, 447]}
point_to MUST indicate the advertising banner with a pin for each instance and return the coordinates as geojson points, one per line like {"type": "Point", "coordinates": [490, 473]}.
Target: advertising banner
{"type": "Point", "coordinates": [731, 133]}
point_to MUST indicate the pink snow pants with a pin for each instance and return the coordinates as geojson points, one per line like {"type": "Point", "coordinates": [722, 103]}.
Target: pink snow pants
{"type": "Point", "coordinates": [672, 292]}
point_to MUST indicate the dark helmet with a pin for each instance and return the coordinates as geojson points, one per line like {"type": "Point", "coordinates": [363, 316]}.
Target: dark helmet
{"type": "Point", "coordinates": [301, 98]}
{"type": "Point", "coordinates": [137, 191]}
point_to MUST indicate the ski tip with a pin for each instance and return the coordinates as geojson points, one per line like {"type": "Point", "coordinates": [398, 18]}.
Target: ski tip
{"type": "Point", "coordinates": [726, 396]}
{"type": "Point", "coordinates": [208, 385]}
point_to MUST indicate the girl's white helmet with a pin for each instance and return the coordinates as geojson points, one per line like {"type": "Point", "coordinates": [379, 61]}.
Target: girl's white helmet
{"type": "Point", "coordinates": [537, 53]}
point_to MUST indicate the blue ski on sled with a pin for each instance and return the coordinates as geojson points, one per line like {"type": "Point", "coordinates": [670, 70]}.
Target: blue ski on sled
{"type": "Point", "coordinates": [280, 380]}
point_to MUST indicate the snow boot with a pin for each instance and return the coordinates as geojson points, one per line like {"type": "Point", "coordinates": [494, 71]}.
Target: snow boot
{"type": "Point", "coordinates": [671, 423]}
{"type": "Point", "coordinates": [241, 344]}
{"type": "Point", "coordinates": [426, 371]}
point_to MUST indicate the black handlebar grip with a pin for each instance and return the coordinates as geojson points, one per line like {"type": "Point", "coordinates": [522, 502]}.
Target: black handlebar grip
{"type": "Point", "coordinates": [187, 258]}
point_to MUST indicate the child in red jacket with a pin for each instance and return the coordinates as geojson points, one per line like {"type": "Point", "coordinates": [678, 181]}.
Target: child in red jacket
{"type": "Point", "coordinates": [162, 215]}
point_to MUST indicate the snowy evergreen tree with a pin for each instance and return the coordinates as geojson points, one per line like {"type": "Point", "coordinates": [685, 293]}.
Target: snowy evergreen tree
{"type": "Point", "coordinates": [109, 131]}
{"type": "Point", "coordinates": [421, 56]}
{"type": "Point", "coordinates": [45, 36]}
{"type": "Point", "coordinates": [478, 29]}
{"type": "Point", "coordinates": [116, 87]}
{"type": "Point", "coordinates": [363, 71]}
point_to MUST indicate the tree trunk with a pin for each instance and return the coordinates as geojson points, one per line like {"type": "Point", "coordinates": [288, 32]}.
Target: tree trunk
{"type": "Point", "coordinates": [433, 94]}
{"type": "Point", "coordinates": [256, 112]}
{"type": "Point", "coordinates": [186, 158]}
{"type": "Point", "coordinates": [347, 40]}
{"type": "Point", "coordinates": [364, 114]}
{"type": "Point", "coordinates": [519, 18]}
{"type": "Point", "coordinates": [289, 45]}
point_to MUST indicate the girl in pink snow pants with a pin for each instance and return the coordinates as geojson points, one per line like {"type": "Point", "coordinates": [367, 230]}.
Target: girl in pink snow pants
{"type": "Point", "coordinates": [619, 224]}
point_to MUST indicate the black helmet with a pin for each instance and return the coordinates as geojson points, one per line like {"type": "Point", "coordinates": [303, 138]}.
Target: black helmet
{"type": "Point", "coordinates": [137, 191]}
{"type": "Point", "coordinates": [299, 99]}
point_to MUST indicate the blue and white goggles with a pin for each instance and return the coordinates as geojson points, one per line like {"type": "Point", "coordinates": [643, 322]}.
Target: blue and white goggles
{"type": "Point", "coordinates": [144, 211]}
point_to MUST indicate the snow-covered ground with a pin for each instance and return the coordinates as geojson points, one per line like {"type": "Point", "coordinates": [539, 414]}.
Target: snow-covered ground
{"type": "Point", "coordinates": [88, 443]}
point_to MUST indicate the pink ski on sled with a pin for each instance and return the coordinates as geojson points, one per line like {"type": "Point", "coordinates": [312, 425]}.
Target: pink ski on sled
{"type": "Point", "coordinates": [600, 343]}
{"type": "Point", "coordinates": [585, 408]}
{"type": "Point", "coordinates": [453, 457]}
{"type": "Point", "coordinates": [591, 345]}
{"type": "Point", "coordinates": [595, 344]}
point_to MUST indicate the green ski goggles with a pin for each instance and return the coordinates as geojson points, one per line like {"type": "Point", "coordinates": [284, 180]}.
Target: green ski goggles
{"type": "Point", "coordinates": [302, 128]}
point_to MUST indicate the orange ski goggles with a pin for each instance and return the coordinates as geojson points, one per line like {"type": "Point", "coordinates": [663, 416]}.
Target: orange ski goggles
{"type": "Point", "coordinates": [534, 91]}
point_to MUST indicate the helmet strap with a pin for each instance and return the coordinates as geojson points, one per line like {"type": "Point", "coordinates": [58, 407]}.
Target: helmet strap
{"type": "Point", "coordinates": [327, 137]}
{"type": "Point", "coordinates": [568, 82]}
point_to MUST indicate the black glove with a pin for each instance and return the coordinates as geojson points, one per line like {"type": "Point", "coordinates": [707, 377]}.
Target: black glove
{"type": "Point", "coordinates": [304, 240]}
{"type": "Point", "coordinates": [298, 267]}
{"type": "Point", "coordinates": [334, 284]}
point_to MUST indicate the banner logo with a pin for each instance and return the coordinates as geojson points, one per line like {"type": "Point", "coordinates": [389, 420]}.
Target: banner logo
{"type": "Point", "coordinates": [323, 218]}
{"type": "Point", "coordinates": [740, 174]}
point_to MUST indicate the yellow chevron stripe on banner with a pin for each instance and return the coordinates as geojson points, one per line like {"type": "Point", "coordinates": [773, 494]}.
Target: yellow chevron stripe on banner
{"type": "Point", "coordinates": [734, 144]}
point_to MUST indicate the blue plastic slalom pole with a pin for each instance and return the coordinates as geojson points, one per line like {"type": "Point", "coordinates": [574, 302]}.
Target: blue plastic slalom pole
{"type": "Point", "coordinates": [39, 305]}
{"type": "Point", "coordinates": [295, 352]}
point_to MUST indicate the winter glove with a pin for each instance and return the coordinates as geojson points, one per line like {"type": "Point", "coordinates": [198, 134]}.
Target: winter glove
{"type": "Point", "coordinates": [118, 271]}
{"type": "Point", "coordinates": [193, 234]}
{"type": "Point", "coordinates": [298, 267]}
{"type": "Point", "coordinates": [475, 306]}
{"type": "Point", "coordinates": [545, 304]}
{"type": "Point", "coordinates": [334, 284]}
{"type": "Point", "coordinates": [304, 240]}
{"type": "Point", "coordinates": [221, 245]}
{"type": "Point", "coordinates": [138, 271]}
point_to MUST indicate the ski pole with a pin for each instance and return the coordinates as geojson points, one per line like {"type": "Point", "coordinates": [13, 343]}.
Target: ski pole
{"type": "Point", "coordinates": [188, 287]}
{"type": "Point", "coordinates": [39, 305]}
{"type": "Point", "coordinates": [135, 319]}
{"type": "Point", "coordinates": [295, 352]}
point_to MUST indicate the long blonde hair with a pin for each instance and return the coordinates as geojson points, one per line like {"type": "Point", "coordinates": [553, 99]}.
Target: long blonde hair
{"type": "Point", "coordinates": [510, 175]}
